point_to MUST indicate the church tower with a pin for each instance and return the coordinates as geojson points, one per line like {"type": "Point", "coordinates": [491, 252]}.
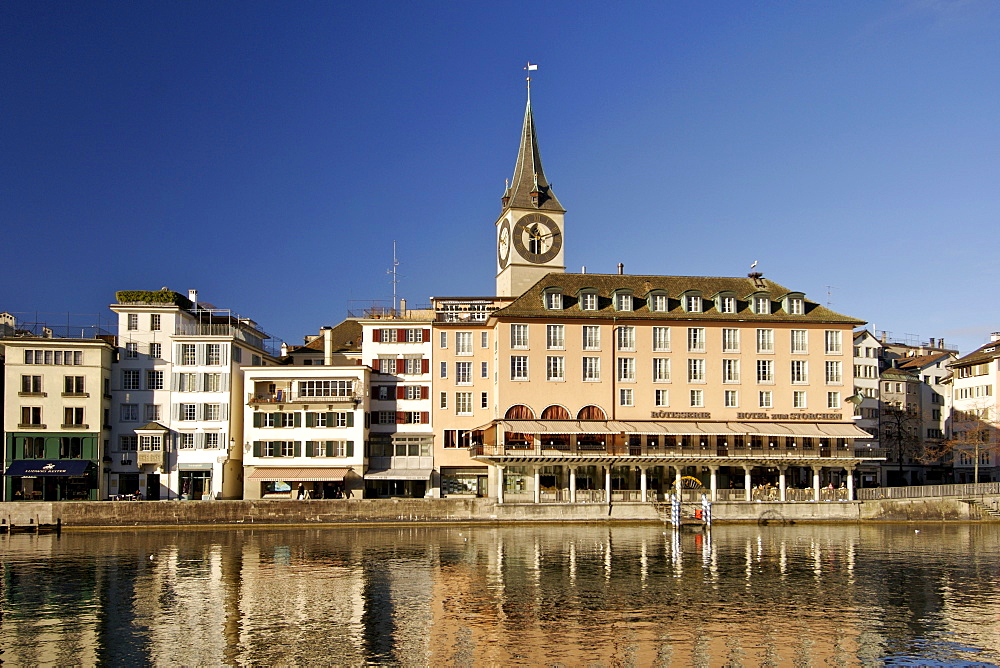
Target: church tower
{"type": "Point", "coordinates": [530, 240]}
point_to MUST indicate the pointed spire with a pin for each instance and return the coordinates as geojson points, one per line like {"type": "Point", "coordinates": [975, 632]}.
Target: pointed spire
{"type": "Point", "coordinates": [529, 189]}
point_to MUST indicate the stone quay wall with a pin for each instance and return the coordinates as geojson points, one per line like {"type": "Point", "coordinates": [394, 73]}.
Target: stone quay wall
{"type": "Point", "coordinates": [128, 514]}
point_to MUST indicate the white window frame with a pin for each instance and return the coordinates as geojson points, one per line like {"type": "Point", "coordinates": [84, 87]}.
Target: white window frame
{"type": "Point", "coordinates": [555, 337]}
{"type": "Point", "coordinates": [696, 339]}
{"type": "Point", "coordinates": [519, 367]}
{"type": "Point", "coordinates": [730, 340]}
{"type": "Point", "coordinates": [661, 369]}
{"type": "Point", "coordinates": [696, 370]}
{"type": "Point", "coordinates": [591, 369]}
{"type": "Point", "coordinates": [661, 339]}
{"type": "Point", "coordinates": [697, 398]}
{"type": "Point", "coordinates": [555, 368]}
{"type": "Point", "coordinates": [591, 337]}
{"type": "Point", "coordinates": [518, 336]}
{"type": "Point", "coordinates": [765, 341]}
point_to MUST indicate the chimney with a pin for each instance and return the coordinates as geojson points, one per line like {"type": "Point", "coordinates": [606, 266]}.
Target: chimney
{"type": "Point", "coordinates": [328, 346]}
{"type": "Point", "coordinates": [402, 308]}
{"type": "Point", "coordinates": [193, 296]}
{"type": "Point", "coordinates": [995, 336]}
{"type": "Point", "coordinates": [284, 348]}
{"type": "Point", "coordinates": [931, 344]}
{"type": "Point", "coordinates": [621, 268]}
{"type": "Point", "coordinates": [583, 269]}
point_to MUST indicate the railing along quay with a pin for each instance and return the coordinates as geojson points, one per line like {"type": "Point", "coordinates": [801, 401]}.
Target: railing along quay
{"type": "Point", "coordinates": [927, 491]}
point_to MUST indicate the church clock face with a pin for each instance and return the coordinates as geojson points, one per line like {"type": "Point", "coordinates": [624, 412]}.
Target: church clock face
{"type": "Point", "coordinates": [503, 244]}
{"type": "Point", "coordinates": [537, 238]}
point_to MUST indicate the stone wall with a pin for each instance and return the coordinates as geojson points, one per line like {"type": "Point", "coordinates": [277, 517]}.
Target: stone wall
{"type": "Point", "coordinates": [70, 514]}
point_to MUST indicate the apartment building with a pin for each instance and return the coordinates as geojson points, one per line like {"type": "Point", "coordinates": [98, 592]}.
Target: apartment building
{"type": "Point", "coordinates": [56, 408]}
{"type": "Point", "coordinates": [305, 429]}
{"type": "Point", "coordinates": [973, 426]}
{"type": "Point", "coordinates": [178, 396]}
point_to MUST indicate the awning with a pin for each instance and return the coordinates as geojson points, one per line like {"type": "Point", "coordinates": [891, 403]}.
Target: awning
{"type": "Point", "coordinates": [844, 431]}
{"type": "Point", "coordinates": [682, 428]}
{"type": "Point", "coordinates": [558, 426]}
{"type": "Point", "coordinates": [287, 473]}
{"type": "Point", "coordinates": [399, 474]}
{"type": "Point", "coordinates": [49, 467]}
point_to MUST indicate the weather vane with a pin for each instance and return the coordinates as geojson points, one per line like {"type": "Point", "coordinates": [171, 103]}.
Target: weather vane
{"type": "Point", "coordinates": [530, 68]}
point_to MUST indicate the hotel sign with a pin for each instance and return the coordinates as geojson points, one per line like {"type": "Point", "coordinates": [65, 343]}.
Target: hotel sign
{"type": "Point", "coordinates": [789, 416]}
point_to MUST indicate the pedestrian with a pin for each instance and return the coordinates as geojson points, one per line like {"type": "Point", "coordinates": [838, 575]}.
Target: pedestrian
{"type": "Point", "coordinates": [301, 491]}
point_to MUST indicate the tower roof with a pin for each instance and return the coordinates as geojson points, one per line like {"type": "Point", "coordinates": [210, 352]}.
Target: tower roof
{"type": "Point", "coordinates": [529, 177]}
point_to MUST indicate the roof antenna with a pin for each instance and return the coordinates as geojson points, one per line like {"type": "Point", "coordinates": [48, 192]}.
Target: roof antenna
{"type": "Point", "coordinates": [395, 276]}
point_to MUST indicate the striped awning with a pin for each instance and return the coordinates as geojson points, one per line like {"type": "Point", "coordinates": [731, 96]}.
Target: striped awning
{"type": "Point", "coordinates": [288, 473]}
{"type": "Point", "coordinates": [399, 474]}
{"type": "Point", "coordinates": [683, 428]}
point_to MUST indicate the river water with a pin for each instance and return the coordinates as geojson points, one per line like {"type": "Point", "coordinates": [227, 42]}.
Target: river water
{"type": "Point", "coordinates": [573, 595]}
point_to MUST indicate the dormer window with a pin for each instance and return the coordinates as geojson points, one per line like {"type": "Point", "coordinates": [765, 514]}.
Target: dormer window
{"type": "Point", "coordinates": [623, 301]}
{"type": "Point", "coordinates": [761, 303]}
{"type": "Point", "coordinates": [588, 301]}
{"type": "Point", "coordinates": [553, 300]}
{"type": "Point", "coordinates": [658, 302]}
{"type": "Point", "coordinates": [726, 303]}
{"type": "Point", "coordinates": [795, 304]}
{"type": "Point", "coordinates": [692, 303]}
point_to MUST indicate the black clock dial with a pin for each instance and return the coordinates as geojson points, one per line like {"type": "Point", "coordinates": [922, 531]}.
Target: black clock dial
{"type": "Point", "coordinates": [537, 238]}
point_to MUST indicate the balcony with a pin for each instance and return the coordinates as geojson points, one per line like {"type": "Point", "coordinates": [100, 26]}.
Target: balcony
{"type": "Point", "coordinates": [292, 397]}
{"type": "Point", "coordinates": [585, 449]}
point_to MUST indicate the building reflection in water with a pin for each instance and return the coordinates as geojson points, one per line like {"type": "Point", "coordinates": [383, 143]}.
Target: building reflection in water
{"type": "Point", "coordinates": [501, 595]}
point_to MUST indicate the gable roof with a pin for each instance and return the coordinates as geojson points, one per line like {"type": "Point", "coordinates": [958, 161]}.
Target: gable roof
{"type": "Point", "coordinates": [530, 304]}
{"type": "Point", "coordinates": [985, 353]}
{"type": "Point", "coordinates": [921, 361]}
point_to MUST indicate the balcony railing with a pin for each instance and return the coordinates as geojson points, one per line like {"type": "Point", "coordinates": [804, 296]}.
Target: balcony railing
{"type": "Point", "coordinates": [926, 491]}
{"type": "Point", "coordinates": [289, 396]}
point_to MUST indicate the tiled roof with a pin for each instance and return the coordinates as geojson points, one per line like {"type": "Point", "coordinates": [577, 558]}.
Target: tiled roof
{"type": "Point", "coordinates": [530, 304]}
{"type": "Point", "coordinates": [985, 353]}
{"type": "Point", "coordinates": [920, 361]}
{"type": "Point", "coordinates": [528, 172]}
{"type": "Point", "coordinates": [345, 339]}
{"type": "Point", "coordinates": [899, 374]}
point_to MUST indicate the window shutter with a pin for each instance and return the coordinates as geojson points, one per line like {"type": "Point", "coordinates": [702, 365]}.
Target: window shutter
{"type": "Point", "coordinates": [426, 336]}
{"type": "Point", "coordinates": [400, 392]}
{"type": "Point", "coordinates": [199, 440]}
{"type": "Point", "coordinates": [330, 419]}
{"type": "Point", "coordinates": [349, 449]}
{"type": "Point", "coordinates": [296, 419]}
{"type": "Point", "coordinates": [350, 419]}
{"type": "Point", "coordinates": [256, 448]}
{"type": "Point", "coordinates": [297, 449]}
{"type": "Point", "coordinates": [377, 335]}
{"type": "Point", "coordinates": [175, 382]}
{"type": "Point", "coordinates": [177, 353]}
{"type": "Point", "coordinates": [199, 353]}
{"type": "Point", "coordinates": [310, 420]}
{"type": "Point", "coordinates": [375, 365]}
{"type": "Point", "coordinates": [225, 411]}
{"type": "Point", "coordinates": [224, 384]}
{"type": "Point", "coordinates": [223, 353]}
{"type": "Point", "coordinates": [256, 419]}
{"type": "Point", "coordinates": [425, 392]}
{"type": "Point", "coordinates": [176, 411]}
{"type": "Point", "coordinates": [400, 417]}
{"type": "Point", "coordinates": [310, 448]}
{"type": "Point", "coordinates": [425, 365]}
{"type": "Point", "coordinates": [425, 417]}
{"type": "Point", "coordinates": [401, 335]}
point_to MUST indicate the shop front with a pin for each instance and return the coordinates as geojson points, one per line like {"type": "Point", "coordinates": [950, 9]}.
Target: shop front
{"type": "Point", "coordinates": [196, 482]}
{"type": "Point", "coordinates": [52, 480]}
{"type": "Point", "coordinates": [302, 483]}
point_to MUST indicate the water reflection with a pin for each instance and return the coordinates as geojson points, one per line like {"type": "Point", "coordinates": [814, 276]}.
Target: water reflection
{"type": "Point", "coordinates": [571, 595]}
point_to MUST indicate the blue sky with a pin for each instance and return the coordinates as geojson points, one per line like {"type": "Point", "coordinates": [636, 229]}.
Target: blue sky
{"type": "Point", "coordinates": [268, 154]}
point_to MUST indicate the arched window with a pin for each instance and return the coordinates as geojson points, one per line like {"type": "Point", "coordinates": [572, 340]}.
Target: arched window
{"type": "Point", "coordinates": [519, 412]}
{"type": "Point", "coordinates": [591, 413]}
{"type": "Point", "coordinates": [556, 413]}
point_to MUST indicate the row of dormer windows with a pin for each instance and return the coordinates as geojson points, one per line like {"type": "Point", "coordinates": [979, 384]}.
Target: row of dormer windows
{"type": "Point", "coordinates": [625, 301]}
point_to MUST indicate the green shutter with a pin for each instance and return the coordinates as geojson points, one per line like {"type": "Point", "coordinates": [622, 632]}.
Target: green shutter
{"type": "Point", "coordinates": [297, 419]}
{"type": "Point", "coordinates": [310, 448]}
{"type": "Point", "coordinates": [329, 448]}
{"type": "Point", "coordinates": [350, 419]}
{"type": "Point", "coordinates": [350, 448]}
{"type": "Point", "coordinates": [297, 448]}
{"type": "Point", "coordinates": [256, 446]}
{"type": "Point", "coordinates": [256, 419]}
{"type": "Point", "coordinates": [331, 419]}
{"type": "Point", "coordinates": [310, 419]}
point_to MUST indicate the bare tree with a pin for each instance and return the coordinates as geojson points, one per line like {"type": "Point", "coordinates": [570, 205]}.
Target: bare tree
{"type": "Point", "coordinates": [973, 434]}
{"type": "Point", "coordinates": [900, 429]}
